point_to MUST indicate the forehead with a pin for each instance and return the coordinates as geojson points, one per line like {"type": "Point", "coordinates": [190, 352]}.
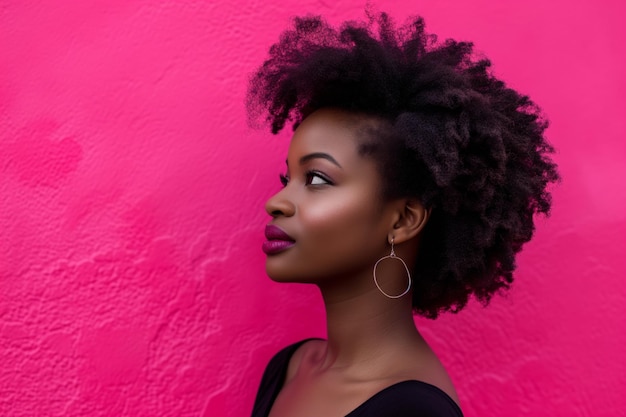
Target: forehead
{"type": "Point", "coordinates": [332, 131]}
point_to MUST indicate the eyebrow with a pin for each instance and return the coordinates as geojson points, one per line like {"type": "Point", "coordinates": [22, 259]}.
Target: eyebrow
{"type": "Point", "coordinates": [317, 155]}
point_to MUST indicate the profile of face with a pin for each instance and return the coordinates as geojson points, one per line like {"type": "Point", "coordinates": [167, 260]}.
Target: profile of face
{"type": "Point", "coordinates": [328, 221]}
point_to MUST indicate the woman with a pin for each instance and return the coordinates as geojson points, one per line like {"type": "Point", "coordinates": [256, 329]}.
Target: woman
{"type": "Point", "coordinates": [411, 183]}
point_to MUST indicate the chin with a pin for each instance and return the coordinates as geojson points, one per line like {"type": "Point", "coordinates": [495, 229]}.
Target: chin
{"type": "Point", "coordinates": [284, 275]}
{"type": "Point", "coordinates": [281, 277]}
{"type": "Point", "coordinates": [277, 274]}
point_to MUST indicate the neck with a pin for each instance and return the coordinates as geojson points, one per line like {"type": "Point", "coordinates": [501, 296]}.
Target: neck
{"type": "Point", "coordinates": [366, 327]}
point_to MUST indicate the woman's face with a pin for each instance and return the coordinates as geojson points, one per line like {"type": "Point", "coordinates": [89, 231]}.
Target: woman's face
{"type": "Point", "coordinates": [330, 207]}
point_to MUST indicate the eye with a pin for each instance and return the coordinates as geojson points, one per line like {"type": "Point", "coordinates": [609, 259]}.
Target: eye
{"type": "Point", "coordinates": [284, 179]}
{"type": "Point", "coordinates": [315, 178]}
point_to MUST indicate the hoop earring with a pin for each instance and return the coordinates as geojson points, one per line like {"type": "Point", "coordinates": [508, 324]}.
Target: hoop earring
{"type": "Point", "coordinates": [392, 255]}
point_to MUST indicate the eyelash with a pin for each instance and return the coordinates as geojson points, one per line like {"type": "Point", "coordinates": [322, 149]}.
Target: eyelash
{"type": "Point", "coordinates": [284, 179]}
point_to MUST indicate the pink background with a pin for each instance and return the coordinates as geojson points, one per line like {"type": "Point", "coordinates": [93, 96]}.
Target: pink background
{"type": "Point", "coordinates": [131, 210]}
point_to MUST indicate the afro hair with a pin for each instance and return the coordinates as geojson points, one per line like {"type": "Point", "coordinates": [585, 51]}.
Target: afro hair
{"type": "Point", "coordinates": [455, 137]}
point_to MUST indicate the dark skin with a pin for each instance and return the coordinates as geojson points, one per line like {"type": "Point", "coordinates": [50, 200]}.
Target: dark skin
{"type": "Point", "coordinates": [331, 207]}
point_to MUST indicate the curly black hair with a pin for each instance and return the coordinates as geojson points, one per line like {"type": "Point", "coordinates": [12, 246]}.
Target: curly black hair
{"type": "Point", "coordinates": [453, 136]}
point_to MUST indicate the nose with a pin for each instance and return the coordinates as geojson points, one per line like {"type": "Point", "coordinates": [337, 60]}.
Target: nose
{"type": "Point", "coordinates": [280, 205]}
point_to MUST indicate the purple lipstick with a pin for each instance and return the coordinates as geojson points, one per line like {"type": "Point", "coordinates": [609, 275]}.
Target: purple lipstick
{"type": "Point", "coordinates": [277, 240]}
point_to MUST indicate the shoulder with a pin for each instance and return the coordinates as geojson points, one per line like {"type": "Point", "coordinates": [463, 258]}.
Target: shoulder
{"type": "Point", "coordinates": [279, 363]}
{"type": "Point", "coordinates": [285, 361]}
{"type": "Point", "coordinates": [274, 377]}
{"type": "Point", "coordinates": [411, 398]}
{"type": "Point", "coordinates": [428, 369]}
{"type": "Point", "coordinates": [300, 352]}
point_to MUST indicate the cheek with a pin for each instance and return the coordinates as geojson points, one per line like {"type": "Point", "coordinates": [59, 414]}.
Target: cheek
{"type": "Point", "coordinates": [341, 221]}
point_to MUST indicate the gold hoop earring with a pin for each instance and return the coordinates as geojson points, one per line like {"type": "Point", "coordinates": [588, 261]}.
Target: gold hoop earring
{"type": "Point", "coordinates": [392, 255]}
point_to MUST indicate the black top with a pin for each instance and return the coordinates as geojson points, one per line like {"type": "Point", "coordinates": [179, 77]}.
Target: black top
{"type": "Point", "coordinates": [403, 399]}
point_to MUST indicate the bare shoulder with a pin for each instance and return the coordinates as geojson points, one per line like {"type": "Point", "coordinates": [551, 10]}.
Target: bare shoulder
{"type": "Point", "coordinates": [427, 367]}
{"type": "Point", "coordinates": [306, 350]}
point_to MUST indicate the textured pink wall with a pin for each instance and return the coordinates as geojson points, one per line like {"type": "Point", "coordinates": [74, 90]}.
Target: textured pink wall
{"type": "Point", "coordinates": [131, 211]}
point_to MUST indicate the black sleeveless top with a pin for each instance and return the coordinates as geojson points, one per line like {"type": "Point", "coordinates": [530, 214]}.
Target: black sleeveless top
{"type": "Point", "coordinates": [404, 399]}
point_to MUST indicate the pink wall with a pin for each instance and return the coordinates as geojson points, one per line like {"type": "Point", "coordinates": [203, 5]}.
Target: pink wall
{"type": "Point", "coordinates": [131, 211]}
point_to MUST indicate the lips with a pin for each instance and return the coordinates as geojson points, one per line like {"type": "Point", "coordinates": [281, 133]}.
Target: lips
{"type": "Point", "coordinates": [277, 240]}
{"type": "Point", "coordinates": [276, 233]}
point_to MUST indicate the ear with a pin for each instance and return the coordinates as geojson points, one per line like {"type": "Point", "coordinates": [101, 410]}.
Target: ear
{"type": "Point", "coordinates": [411, 217]}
